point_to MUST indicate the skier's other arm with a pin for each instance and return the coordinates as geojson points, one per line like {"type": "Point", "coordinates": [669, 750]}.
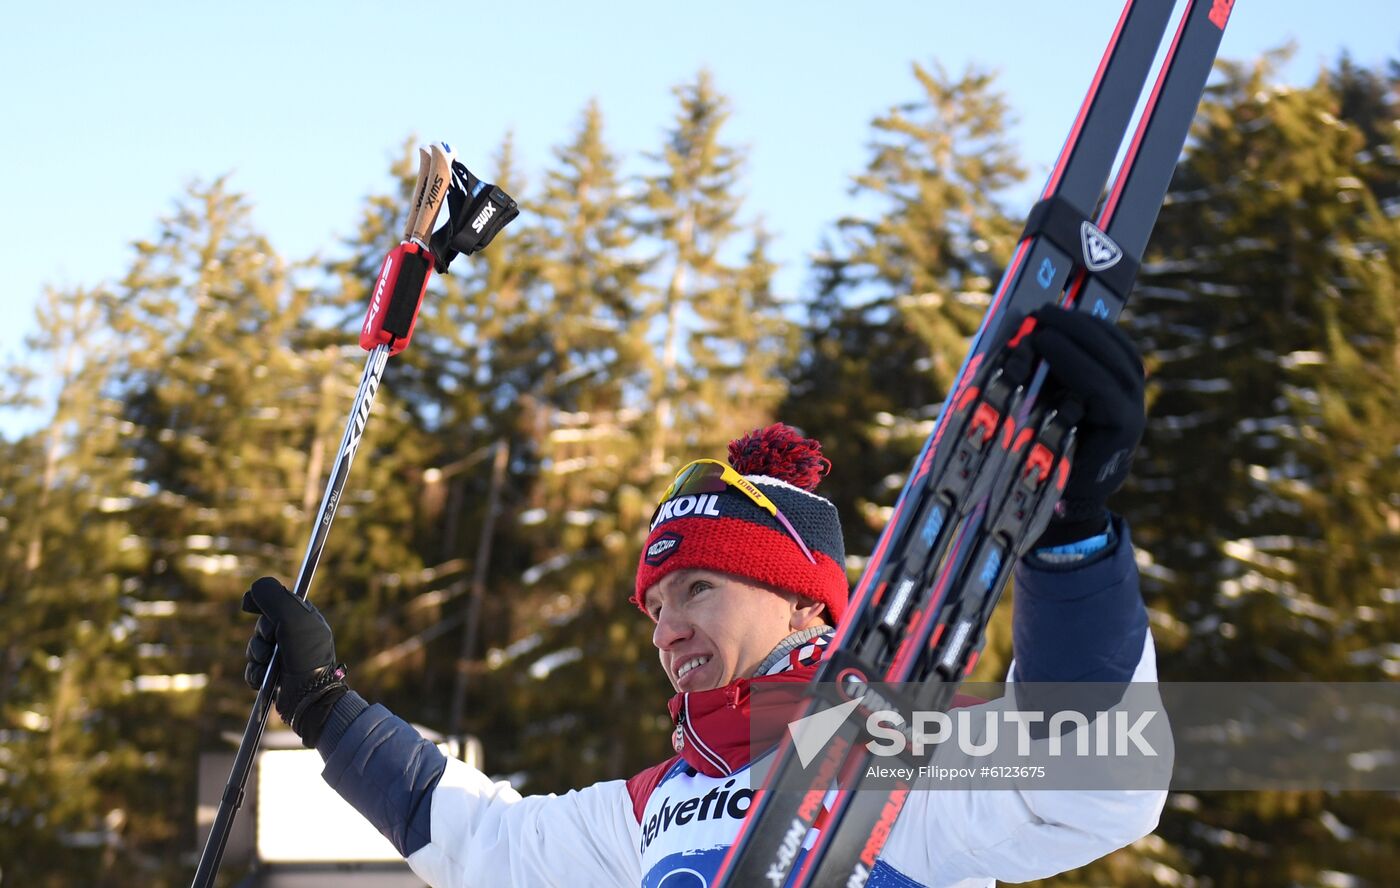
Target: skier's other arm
{"type": "Point", "coordinates": [1078, 617]}
{"type": "Point", "coordinates": [454, 826]}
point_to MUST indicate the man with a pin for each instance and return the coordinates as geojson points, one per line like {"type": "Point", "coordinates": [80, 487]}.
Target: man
{"type": "Point", "coordinates": [743, 574]}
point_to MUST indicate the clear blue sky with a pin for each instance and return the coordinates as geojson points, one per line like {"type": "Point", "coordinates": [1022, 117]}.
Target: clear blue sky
{"type": "Point", "coordinates": [109, 109]}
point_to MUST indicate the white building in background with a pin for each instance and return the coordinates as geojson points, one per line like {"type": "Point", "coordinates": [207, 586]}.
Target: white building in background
{"type": "Point", "coordinates": [294, 831]}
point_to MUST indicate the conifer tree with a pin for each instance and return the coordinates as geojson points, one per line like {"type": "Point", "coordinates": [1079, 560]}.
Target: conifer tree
{"type": "Point", "coordinates": [67, 759]}
{"type": "Point", "coordinates": [581, 516]}
{"type": "Point", "coordinates": [1264, 496]}
{"type": "Point", "coordinates": [209, 393]}
{"type": "Point", "coordinates": [713, 297]}
{"type": "Point", "coordinates": [903, 285]}
{"type": "Point", "coordinates": [900, 287]}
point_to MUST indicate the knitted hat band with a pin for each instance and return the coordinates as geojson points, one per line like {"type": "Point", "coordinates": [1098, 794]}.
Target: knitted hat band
{"type": "Point", "coordinates": [729, 533]}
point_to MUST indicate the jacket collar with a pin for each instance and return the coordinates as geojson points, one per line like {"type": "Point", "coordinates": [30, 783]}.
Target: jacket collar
{"type": "Point", "coordinates": [713, 730]}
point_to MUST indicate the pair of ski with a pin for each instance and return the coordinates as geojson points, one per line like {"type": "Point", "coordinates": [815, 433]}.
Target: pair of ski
{"type": "Point", "coordinates": [477, 211]}
{"type": "Point", "coordinates": [986, 482]}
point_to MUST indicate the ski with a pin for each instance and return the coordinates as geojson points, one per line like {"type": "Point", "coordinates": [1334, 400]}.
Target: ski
{"type": "Point", "coordinates": [987, 479]}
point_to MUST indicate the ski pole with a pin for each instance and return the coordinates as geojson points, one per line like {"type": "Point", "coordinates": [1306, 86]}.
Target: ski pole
{"type": "Point", "coordinates": [394, 302]}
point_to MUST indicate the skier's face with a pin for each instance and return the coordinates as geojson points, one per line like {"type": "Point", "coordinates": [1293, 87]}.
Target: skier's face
{"type": "Point", "coordinates": [712, 627]}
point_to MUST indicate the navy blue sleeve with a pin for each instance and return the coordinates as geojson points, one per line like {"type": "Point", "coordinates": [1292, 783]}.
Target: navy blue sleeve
{"type": "Point", "coordinates": [384, 768]}
{"type": "Point", "coordinates": [1080, 621]}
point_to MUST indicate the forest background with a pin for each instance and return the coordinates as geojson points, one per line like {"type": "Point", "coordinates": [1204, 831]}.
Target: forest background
{"type": "Point", "coordinates": [478, 572]}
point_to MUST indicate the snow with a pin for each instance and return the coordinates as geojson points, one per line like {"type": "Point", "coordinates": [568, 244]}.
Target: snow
{"type": "Point", "coordinates": [1247, 551]}
{"type": "Point", "coordinates": [149, 608]}
{"type": "Point", "coordinates": [1304, 606]}
{"type": "Point", "coordinates": [1336, 827]}
{"type": "Point", "coordinates": [537, 572]}
{"type": "Point", "coordinates": [1386, 655]}
{"type": "Point", "coordinates": [1253, 426]}
{"type": "Point", "coordinates": [215, 564]}
{"type": "Point", "coordinates": [1148, 567]}
{"type": "Point", "coordinates": [165, 684]}
{"type": "Point", "coordinates": [1165, 875]}
{"type": "Point", "coordinates": [565, 466]}
{"type": "Point", "coordinates": [978, 299]}
{"type": "Point", "coordinates": [1187, 352]}
{"type": "Point", "coordinates": [1180, 423]}
{"type": "Point", "coordinates": [1231, 290]}
{"type": "Point", "coordinates": [1370, 761]}
{"type": "Point", "coordinates": [1302, 359]}
{"type": "Point", "coordinates": [1224, 837]}
{"type": "Point", "coordinates": [571, 435]}
{"type": "Point", "coordinates": [33, 721]}
{"type": "Point", "coordinates": [498, 657]}
{"type": "Point", "coordinates": [1167, 294]}
{"type": "Point", "coordinates": [541, 668]}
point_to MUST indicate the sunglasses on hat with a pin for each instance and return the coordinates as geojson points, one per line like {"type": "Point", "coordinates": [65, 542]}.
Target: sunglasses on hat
{"type": "Point", "coordinates": [713, 476]}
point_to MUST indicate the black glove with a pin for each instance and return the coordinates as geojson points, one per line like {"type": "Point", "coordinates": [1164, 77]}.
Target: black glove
{"type": "Point", "coordinates": [311, 681]}
{"type": "Point", "coordinates": [1095, 363]}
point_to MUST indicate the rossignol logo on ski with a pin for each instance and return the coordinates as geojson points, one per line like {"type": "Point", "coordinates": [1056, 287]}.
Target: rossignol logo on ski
{"type": "Point", "coordinates": [1100, 252]}
{"type": "Point", "coordinates": [482, 218]}
{"type": "Point", "coordinates": [1220, 12]}
{"type": "Point", "coordinates": [663, 548]}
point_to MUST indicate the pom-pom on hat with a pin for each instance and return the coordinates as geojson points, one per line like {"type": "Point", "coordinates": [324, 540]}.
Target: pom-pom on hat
{"type": "Point", "coordinates": [728, 532]}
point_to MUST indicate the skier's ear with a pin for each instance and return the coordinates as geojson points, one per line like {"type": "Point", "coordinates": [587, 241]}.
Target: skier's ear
{"type": "Point", "coordinates": [806, 613]}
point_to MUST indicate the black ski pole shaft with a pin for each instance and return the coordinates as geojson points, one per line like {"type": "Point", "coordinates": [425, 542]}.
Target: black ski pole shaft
{"type": "Point", "coordinates": [234, 791]}
{"type": "Point", "coordinates": [398, 292]}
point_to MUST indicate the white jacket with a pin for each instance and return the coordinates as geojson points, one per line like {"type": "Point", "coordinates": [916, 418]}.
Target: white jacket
{"type": "Point", "coordinates": [485, 835]}
{"type": "Point", "coordinates": [458, 829]}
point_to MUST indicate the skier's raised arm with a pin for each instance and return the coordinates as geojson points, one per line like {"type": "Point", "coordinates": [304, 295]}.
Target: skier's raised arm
{"type": "Point", "coordinates": [453, 825]}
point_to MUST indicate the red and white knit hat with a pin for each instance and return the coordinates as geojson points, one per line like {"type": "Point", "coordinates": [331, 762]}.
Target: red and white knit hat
{"type": "Point", "coordinates": [730, 533]}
